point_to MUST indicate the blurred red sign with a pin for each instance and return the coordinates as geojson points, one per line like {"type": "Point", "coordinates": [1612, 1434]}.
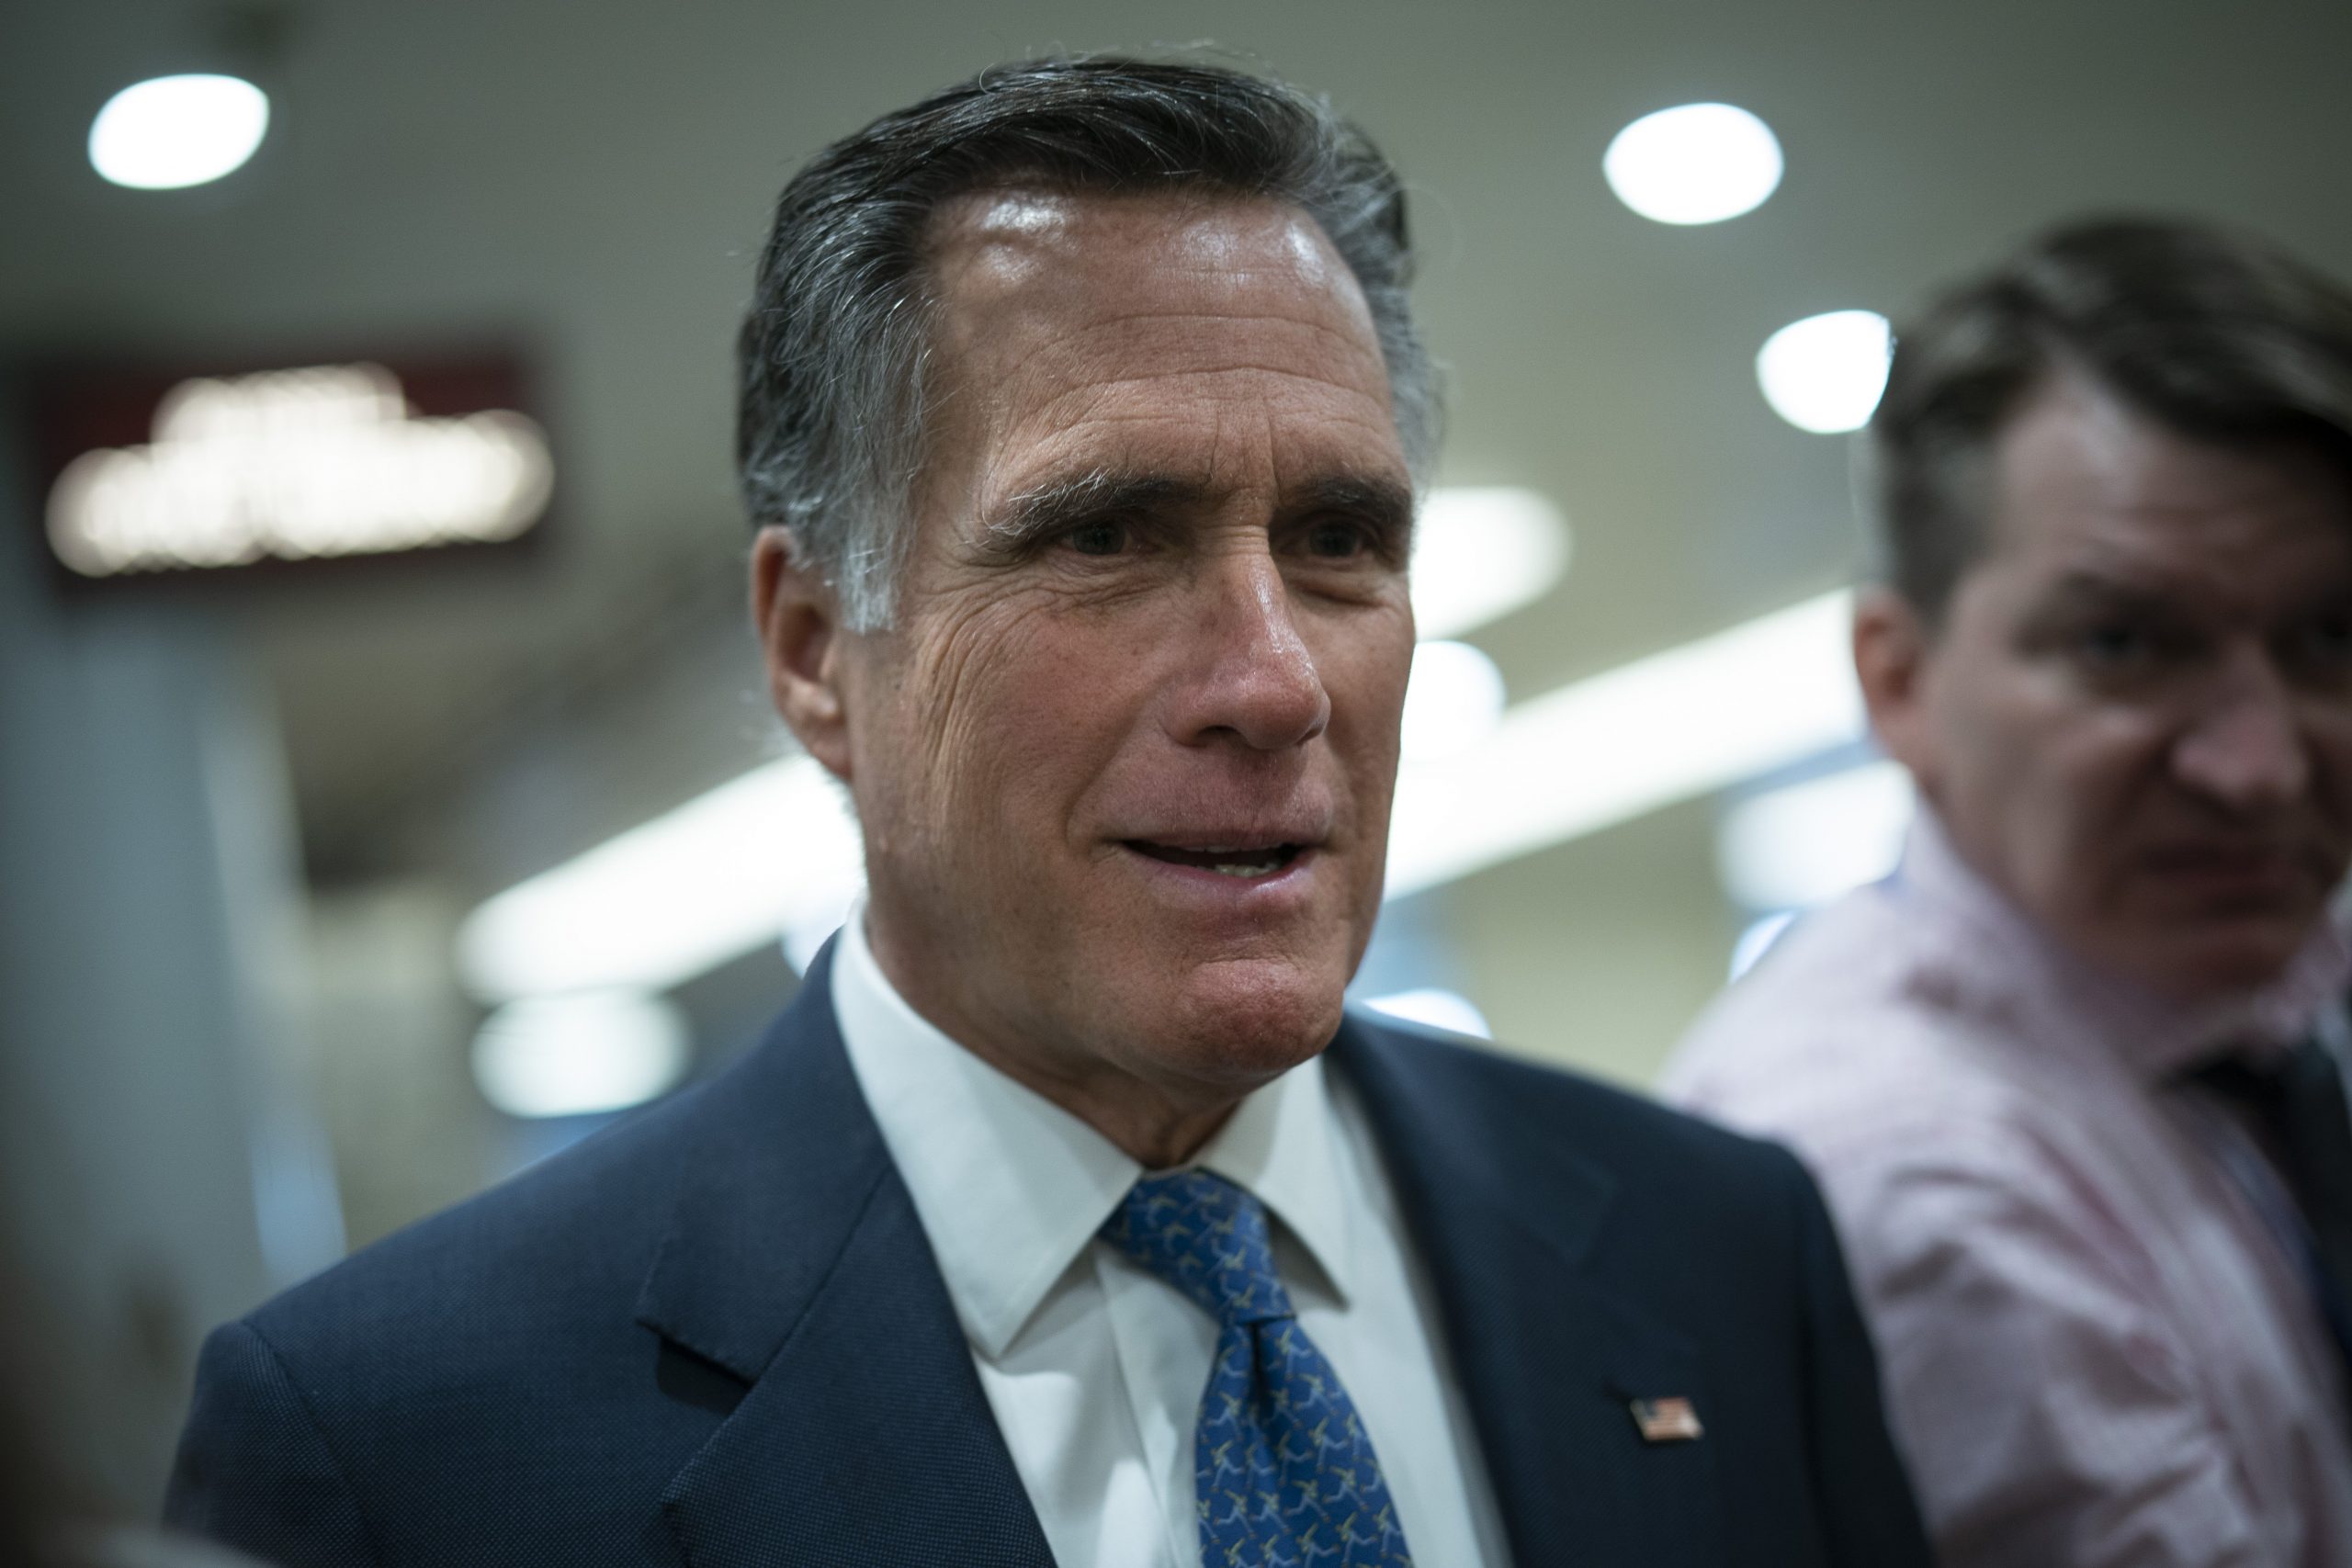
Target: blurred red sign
{"type": "Point", "coordinates": [146, 473]}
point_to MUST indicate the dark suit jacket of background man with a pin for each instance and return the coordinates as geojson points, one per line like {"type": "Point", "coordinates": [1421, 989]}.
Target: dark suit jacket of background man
{"type": "Point", "coordinates": [715, 1336]}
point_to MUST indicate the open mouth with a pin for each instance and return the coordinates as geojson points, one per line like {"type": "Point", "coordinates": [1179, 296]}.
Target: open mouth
{"type": "Point", "coordinates": [1241, 861]}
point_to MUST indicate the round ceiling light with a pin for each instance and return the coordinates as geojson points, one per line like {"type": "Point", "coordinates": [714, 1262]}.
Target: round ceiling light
{"type": "Point", "coordinates": [1824, 373]}
{"type": "Point", "coordinates": [170, 131]}
{"type": "Point", "coordinates": [1698, 164]}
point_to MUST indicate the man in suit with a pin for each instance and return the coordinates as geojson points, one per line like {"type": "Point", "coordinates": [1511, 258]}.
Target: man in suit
{"type": "Point", "coordinates": [1064, 1216]}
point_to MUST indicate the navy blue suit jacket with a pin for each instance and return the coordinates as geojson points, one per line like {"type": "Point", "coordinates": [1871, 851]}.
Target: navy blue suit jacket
{"type": "Point", "coordinates": [716, 1336]}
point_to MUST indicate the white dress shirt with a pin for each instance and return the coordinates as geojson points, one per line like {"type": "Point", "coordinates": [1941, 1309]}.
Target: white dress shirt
{"type": "Point", "coordinates": [1093, 1367]}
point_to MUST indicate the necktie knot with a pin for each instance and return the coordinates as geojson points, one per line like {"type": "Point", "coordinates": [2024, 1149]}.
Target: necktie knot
{"type": "Point", "coordinates": [1207, 1238]}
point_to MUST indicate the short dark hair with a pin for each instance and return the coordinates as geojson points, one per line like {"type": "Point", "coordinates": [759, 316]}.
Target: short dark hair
{"type": "Point", "coordinates": [2212, 332]}
{"type": "Point", "coordinates": [833, 347]}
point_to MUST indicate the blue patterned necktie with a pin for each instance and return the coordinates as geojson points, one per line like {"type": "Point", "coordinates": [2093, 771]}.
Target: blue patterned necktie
{"type": "Point", "coordinates": [1283, 1471]}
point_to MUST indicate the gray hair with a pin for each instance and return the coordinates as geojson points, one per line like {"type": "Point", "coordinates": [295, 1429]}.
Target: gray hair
{"type": "Point", "coordinates": [834, 345]}
{"type": "Point", "coordinates": [2213, 333]}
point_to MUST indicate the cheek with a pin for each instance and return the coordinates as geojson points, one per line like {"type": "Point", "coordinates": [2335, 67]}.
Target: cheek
{"type": "Point", "coordinates": [1366, 682]}
{"type": "Point", "coordinates": [1368, 736]}
{"type": "Point", "coordinates": [2098, 796]}
{"type": "Point", "coordinates": [2056, 779]}
{"type": "Point", "coordinates": [2093, 765]}
{"type": "Point", "coordinates": [1365, 661]}
{"type": "Point", "coordinates": [2330, 754]}
{"type": "Point", "coordinates": [1014, 715]}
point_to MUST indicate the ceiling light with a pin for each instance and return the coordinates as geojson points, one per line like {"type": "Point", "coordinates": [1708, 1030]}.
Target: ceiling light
{"type": "Point", "coordinates": [1698, 164]}
{"type": "Point", "coordinates": [580, 1054]}
{"type": "Point", "coordinates": [720, 876]}
{"type": "Point", "coordinates": [1453, 700]}
{"type": "Point", "coordinates": [1805, 843]}
{"type": "Point", "coordinates": [1825, 374]}
{"type": "Point", "coordinates": [170, 131]}
{"type": "Point", "coordinates": [1599, 751]}
{"type": "Point", "coordinates": [1480, 552]}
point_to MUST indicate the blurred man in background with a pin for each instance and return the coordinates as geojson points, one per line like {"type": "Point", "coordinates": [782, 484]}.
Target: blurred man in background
{"type": "Point", "coordinates": [2067, 1075]}
{"type": "Point", "coordinates": [1083, 417]}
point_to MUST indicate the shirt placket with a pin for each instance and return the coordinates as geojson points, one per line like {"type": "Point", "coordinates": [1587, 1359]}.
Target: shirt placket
{"type": "Point", "coordinates": [1149, 1359]}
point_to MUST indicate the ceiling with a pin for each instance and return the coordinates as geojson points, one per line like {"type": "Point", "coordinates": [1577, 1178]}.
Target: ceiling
{"type": "Point", "coordinates": [590, 177]}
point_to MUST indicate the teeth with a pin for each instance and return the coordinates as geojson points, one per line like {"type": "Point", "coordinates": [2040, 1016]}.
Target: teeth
{"type": "Point", "coordinates": [1261, 869]}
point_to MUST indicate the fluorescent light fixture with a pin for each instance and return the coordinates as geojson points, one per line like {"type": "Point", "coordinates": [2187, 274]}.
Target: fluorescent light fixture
{"type": "Point", "coordinates": [1647, 733]}
{"type": "Point", "coordinates": [1438, 1008]}
{"type": "Point", "coordinates": [1825, 373]}
{"type": "Point", "coordinates": [776, 852]}
{"type": "Point", "coordinates": [1698, 164]}
{"type": "Point", "coordinates": [1805, 843]}
{"type": "Point", "coordinates": [1453, 700]}
{"type": "Point", "coordinates": [580, 1054]}
{"type": "Point", "coordinates": [170, 131]}
{"type": "Point", "coordinates": [296, 464]}
{"type": "Point", "coordinates": [718, 877]}
{"type": "Point", "coordinates": [1480, 552]}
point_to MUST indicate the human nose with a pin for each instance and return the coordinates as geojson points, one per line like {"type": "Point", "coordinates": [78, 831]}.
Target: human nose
{"type": "Point", "coordinates": [1257, 679]}
{"type": "Point", "coordinates": [2244, 748]}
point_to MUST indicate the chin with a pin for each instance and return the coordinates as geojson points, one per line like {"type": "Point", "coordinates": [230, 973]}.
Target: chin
{"type": "Point", "coordinates": [2242, 966]}
{"type": "Point", "coordinates": [2221, 963]}
{"type": "Point", "coordinates": [1244, 1021]}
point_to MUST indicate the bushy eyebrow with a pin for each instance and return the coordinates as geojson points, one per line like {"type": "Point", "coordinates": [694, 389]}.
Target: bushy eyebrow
{"type": "Point", "coordinates": [2090, 590]}
{"type": "Point", "coordinates": [1050, 509]}
{"type": "Point", "coordinates": [2093, 593]}
{"type": "Point", "coordinates": [1384, 504]}
{"type": "Point", "coordinates": [1040, 514]}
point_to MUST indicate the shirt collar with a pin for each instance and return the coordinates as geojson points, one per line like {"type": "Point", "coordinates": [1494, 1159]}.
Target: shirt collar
{"type": "Point", "coordinates": [1010, 1187]}
{"type": "Point", "coordinates": [1281, 1144]}
{"type": "Point", "coordinates": [2007, 960]}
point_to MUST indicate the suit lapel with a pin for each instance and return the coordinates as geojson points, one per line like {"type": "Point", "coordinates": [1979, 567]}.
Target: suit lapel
{"type": "Point", "coordinates": [796, 1263]}
{"type": "Point", "coordinates": [1549, 1359]}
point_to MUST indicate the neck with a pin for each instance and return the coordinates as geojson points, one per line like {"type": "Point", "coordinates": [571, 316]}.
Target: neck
{"type": "Point", "coordinates": [1158, 1121]}
{"type": "Point", "coordinates": [1152, 1128]}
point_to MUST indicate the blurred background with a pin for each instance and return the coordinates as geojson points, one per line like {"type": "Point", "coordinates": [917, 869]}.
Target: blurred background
{"type": "Point", "coordinates": [387, 794]}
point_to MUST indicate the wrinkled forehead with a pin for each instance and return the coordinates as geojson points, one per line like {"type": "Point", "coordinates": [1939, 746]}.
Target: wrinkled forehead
{"type": "Point", "coordinates": [1174, 252]}
{"type": "Point", "coordinates": [1184, 336]}
{"type": "Point", "coordinates": [2082, 473]}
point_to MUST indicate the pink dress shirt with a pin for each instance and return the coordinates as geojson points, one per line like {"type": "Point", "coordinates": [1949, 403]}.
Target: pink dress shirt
{"type": "Point", "coordinates": [2097, 1346]}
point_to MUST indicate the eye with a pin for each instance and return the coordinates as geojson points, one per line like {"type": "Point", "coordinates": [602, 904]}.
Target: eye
{"type": "Point", "coordinates": [2325, 641]}
{"type": "Point", "coordinates": [1337, 540]}
{"type": "Point", "coordinates": [1103, 537]}
{"type": "Point", "coordinates": [2114, 646]}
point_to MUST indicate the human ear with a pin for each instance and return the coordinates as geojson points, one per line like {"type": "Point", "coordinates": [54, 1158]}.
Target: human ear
{"type": "Point", "coordinates": [799, 620]}
{"type": "Point", "coordinates": [1890, 646]}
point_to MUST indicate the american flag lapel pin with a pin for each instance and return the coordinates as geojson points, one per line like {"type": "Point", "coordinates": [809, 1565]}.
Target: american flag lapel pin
{"type": "Point", "coordinates": [1674, 1420]}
